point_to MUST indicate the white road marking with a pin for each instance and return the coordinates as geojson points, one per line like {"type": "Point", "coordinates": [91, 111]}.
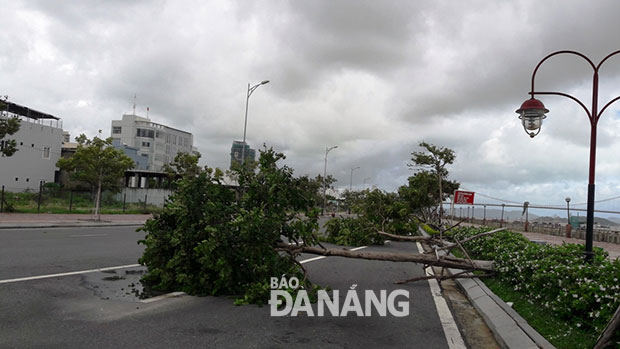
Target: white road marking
{"type": "Point", "coordinates": [450, 329]}
{"type": "Point", "coordinates": [87, 235]}
{"type": "Point", "coordinates": [322, 257]}
{"type": "Point", "coordinates": [67, 274]}
{"type": "Point", "coordinates": [163, 296]}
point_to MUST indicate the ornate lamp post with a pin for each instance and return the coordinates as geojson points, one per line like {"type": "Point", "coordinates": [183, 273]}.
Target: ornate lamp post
{"type": "Point", "coordinates": [532, 113]}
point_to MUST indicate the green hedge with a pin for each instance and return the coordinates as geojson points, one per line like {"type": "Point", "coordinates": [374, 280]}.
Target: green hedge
{"type": "Point", "coordinates": [555, 277]}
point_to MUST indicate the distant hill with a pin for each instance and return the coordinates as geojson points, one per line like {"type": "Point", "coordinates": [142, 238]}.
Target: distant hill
{"type": "Point", "coordinates": [582, 219]}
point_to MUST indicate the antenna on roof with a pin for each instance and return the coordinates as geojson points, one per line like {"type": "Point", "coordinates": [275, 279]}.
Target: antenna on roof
{"type": "Point", "coordinates": [134, 104]}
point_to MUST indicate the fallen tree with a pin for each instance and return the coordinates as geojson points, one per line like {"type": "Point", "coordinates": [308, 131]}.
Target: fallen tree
{"type": "Point", "coordinates": [213, 240]}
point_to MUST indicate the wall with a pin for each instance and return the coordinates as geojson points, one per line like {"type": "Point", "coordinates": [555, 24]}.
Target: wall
{"type": "Point", "coordinates": [153, 196]}
{"type": "Point", "coordinates": [27, 167]}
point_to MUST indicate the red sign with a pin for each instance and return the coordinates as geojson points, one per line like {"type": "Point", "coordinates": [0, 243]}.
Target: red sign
{"type": "Point", "coordinates": [463, 197]}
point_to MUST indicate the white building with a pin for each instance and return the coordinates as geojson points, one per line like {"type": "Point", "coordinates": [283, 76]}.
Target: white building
{"type": "Point", "coordinates": [156, 142]}
{"type": "Point", "coordinates": [39, 142]}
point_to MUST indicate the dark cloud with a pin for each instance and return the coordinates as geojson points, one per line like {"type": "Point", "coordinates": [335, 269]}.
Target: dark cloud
{"type": "Point", "coordinates": [374, 77]}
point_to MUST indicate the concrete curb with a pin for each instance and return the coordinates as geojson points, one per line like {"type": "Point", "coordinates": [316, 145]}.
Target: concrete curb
{"type": "Point", "coordinates": [67, 225]}
{"type": "Point", "coordinates": [508, 327]}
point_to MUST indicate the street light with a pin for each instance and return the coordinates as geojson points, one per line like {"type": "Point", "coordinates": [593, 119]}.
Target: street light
{"type": "Point", "coordinates": [351, 185]}
{"type": "Point", "coordinates": [532, 112]}
{"type": "Point", "coordinates": [327, 150]}
{"type": "Point", "coordinates": [351, 182]}
{"type": "Point", "coordinates": [245, 125]}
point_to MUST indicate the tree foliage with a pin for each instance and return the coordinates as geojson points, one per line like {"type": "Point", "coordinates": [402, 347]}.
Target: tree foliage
{"type": "Point", "coordinates": [433, 161]}
{"type": "Point", "coordinates": [184, 165]}
{"type": "Point", "coordinates": [214, 240]}
{"type": "Point", "coordinates": [421, 194]}
{"type": "Point", "coordinates": [8, 126]}
{"type": "Point", "coordinates": [97, 163]}
{"type": "Point", "coordinates": [376, 210]}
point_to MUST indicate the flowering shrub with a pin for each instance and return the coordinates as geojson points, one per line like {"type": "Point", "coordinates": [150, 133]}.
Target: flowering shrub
{"type": "Point", "coordinates": [555, 277]}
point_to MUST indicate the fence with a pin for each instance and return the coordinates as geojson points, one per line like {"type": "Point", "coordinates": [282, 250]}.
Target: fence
{"type": "Point", "coordinates": [52, 198]}
{"type": "Point", "coordinates": [603, 234]}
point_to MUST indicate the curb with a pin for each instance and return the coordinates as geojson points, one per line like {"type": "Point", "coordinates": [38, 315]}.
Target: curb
{"type": "Point", "coordinates": [508, 327]}
{"type": "Point", "coordinates": [67, 225]}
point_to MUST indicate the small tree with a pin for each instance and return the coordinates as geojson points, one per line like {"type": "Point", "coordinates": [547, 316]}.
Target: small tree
{"type": "Point", "coordinates": [183, 165]}
{"type": "Point", "coordinates": [434, 160]}
{"type": "Point", "coordinates": [97, 163]}
{"type": "Point", "coordinates": [8, 126]}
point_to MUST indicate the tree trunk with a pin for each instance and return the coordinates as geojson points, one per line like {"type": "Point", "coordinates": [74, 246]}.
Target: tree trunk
{"type": "Point", "coordinates": [441, 261]}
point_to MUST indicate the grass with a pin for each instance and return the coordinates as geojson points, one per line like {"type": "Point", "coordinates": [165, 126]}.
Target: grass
{"type": "Point", "coordinates": [561, 334]}
{"type": "Point", "coordinates": [81, 203]}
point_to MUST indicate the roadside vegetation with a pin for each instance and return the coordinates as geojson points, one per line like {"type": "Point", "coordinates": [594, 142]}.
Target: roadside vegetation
{"type": "Point", "coordinates": [55, 199]}
{"type": "Point", "coordinates": [566, 300]}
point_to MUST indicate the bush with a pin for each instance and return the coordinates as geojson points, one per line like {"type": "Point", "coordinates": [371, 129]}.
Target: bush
{"type": "Point", "coordinates": [556, 277]}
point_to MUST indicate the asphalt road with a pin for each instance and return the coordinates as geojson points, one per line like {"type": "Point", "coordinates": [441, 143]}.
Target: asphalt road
{"type": "Point", "coordinates": [29, 252]}
{"type": "Point", "coordinates": [98, 309]}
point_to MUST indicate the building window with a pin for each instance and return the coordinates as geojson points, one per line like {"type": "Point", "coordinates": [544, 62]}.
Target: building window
{"type": "Point", "coordinates": [145, 133]}
{"type": "Point", "coordinates": [46, 152]}
{"type": "Point", "coordinates": [16, 179]}
{"type": "Point", "coordinates": [146, 144]}
{"type": "Point", "coordinates": [116, 129]}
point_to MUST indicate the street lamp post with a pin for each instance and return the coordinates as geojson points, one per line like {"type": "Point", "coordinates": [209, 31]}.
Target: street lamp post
{"type": "Point", "coordinates": [351, 185]}
{"type": "Point", "coordinates": [568, 209]}
{"type": "Point", "coordinates": [245, 124]}
{"type": "Point", "coordinates": [533, 111]}
{"type": "Point", "coordinates": [351, 182]}
{"type": "Point", "coordinates": [327, 150]}
{"type": "Point", "coordinates": [366, 179]}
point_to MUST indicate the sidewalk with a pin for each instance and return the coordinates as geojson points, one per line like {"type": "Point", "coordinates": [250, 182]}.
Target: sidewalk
{"type": "Point", "coordinates": [47, 220]}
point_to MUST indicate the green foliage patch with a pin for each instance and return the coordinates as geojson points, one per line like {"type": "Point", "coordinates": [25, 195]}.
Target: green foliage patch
{"type": "Point", "coordinates": [554, 277]}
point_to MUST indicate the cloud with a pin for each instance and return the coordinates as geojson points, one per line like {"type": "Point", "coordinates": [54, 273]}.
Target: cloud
{"type": "Point", "coordinates": [374, 78]}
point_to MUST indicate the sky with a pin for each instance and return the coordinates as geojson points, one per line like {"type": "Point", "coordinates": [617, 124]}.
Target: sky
{"type": "Point", "coordinates": [374, 78]}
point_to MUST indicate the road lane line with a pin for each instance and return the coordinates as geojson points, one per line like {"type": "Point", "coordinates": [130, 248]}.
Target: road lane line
{"type": "Point", "coordinates": [87, 235]}
{"type": "Point", "coordinates": [322, 257]}
{"type": "Point", "coordinates": [67, 274]}
{"type": "Point", "coordinates": [450, 329]}
{"type": "Point", "coordinates": [163, 296]}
